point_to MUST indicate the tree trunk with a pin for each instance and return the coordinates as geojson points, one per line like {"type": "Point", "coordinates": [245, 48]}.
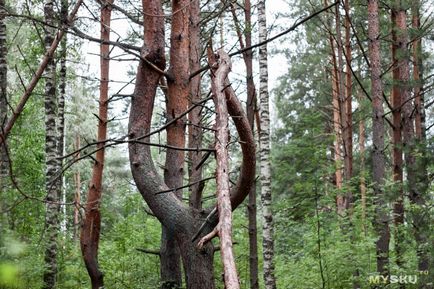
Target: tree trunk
{"type": "Point", "coordinates": [362, 140]}
{"type": "Point", "coordinates": [397, 162]}
{"type": "Point", "coordinates": [348, 107]}
{"type": "Point", "coordinates": [3, 96]}
{"type": "Point", "coordinates": [416, 166]}
{"type": "Point", "coordinates": [177, 103]}
{"type": "Point", "coordinates": [194, 117]}
{"type": "Point", "coordinates": [264, 144]}
{"type": "Point", "coordinates": [251, 109]}
{"type": "Point", "coordinates": [51, 153]}
{"type": "Point", "coordinates": [223, 198]}
{"type": "Point", "coordinates": [378, 162]}
{"type": "Point", "coordinates": [61, 111]}
{"type": "Point", "coordinates": [90, 231]}
{"type": "Point", "coordinates": [77, 193]}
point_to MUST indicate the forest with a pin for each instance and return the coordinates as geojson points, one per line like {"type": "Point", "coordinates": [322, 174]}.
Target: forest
{"type": "Point", "coordinates": [237, 144]}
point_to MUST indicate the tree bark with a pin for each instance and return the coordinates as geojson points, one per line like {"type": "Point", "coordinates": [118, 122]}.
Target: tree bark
{"type": "Point", "coordinates": [362, 149]}
{"type": "Point", "coordinates": [378, 162]}
{"type": "Point", "coordinates": [77, 193]}
{"type": "Point", "coordinates": [223, 198]}
{"type": "Point", "coordinates": [348, 107]}
{"type": "Point", "coordinates": [251, 109]}
{"type": "Point", "coordinates": [90, 231]}
{"type": "Point", "coordinates": [264, 144]}
{"type": "Point", "coordinates": [3, 96]}
{"type": "Point", "coordinates": [169, 210]}
{"type": "Point", "coordinates": [194, 117]}
{"type": "Point", "coordinates": [177, 103]}
{"type": "Point", "coordinates": [61, 110]}
{"type": "Point", "coordinates": [397, 162]}
{"type": "Point", "coordinates": [51, 154]}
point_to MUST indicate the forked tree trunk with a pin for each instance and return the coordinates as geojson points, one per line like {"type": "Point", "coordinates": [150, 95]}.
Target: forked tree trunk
{"type": "Point", "coordinates": [90, 231]}
{"type": "Point", "coordinates": [264, 145]}
{"type": "Point", "coordinates": [51, 154]}
{"type": "Point", "coordinates": [170, 211]}
{"type": "Point", "coordinates": [378, 162]}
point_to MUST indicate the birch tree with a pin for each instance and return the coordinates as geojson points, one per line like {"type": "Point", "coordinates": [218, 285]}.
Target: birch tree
{"type": "Point", "coordinates": [51, 153]}
{"type": "Point", "coordinates": [264, 150]}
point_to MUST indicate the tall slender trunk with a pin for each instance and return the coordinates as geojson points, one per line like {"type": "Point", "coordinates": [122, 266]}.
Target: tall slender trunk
{"type": "Point", "coordinates": [397, 162]}
{"type": "Point", "coordinates": [378, 162]}
{"type": "Point", "coordinates": [77, 192]}
{"type": "Point", "coordinates": [348, 105]}
{"type": "Point", "coordinates": [250, 109]}
{"type": "Point", "coordinates": [362, 149]}
{"type": "Point", "coordinates": [90, 231]}
{"type": "Point", "coordinates": [51, 153]}
{"type": "Point", "coordinates": [414, 139]}
{"type": "Point", "coordinates": [61, 110]}
{"type": "Point", "coordinates": [3, 95]}
{"type": "Point", "coordinates": [337, 153]}
{"type": "Point", "coordinates": [194, 117]}
{"type": "Point", "coordinates": [264, 145]}
{"type": "Point", "coordinates": [4, 162]}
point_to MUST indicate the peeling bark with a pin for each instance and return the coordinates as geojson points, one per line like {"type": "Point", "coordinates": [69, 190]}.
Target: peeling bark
{"type": "Point", "coordinates": [223, 198]}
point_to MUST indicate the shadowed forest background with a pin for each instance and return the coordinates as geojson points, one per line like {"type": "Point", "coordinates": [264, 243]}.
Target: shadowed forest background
{"type": "Point", "coordinates": [216, 144]}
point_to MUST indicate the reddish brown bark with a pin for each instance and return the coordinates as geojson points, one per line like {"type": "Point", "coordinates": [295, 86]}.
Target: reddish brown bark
{"type": "Point", "coordinates": [397, 162]}
{"type": "Point", "coordinates": [194, 129]}
{"type": "Point", "coordinates": [177, 103]}
{"type": "Point", "coordinates": [169, 210]}
{"type": "Point", "coordinates": [90, 231]}
{"type": "Point", "coordinates": [378, 161]}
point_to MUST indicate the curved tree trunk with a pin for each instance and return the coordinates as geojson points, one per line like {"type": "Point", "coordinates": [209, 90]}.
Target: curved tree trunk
{"type": "Point", "coordinates": [224, 227]}
{"type": "Point", "coordinates": [90, 231]}
{"type": "Point", "coordinates": [264, 144]}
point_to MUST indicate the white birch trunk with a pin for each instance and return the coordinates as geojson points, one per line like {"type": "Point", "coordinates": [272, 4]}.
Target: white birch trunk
{"type": "Point", "coordinates": [264, 144]}
{"type": "Point", "coordinates": [51, 151]}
